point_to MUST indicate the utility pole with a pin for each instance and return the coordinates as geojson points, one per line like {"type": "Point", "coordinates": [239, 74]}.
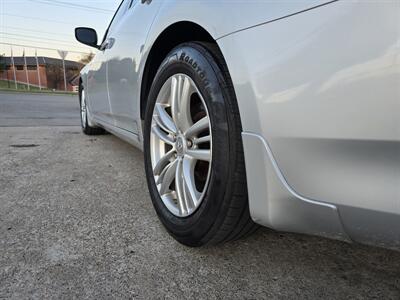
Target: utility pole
{"type": "Point", "coordinates": [4, 69]}
{"type": "Point", "coordinates": [63, 55]}
{"type": "Point", "coordinates": [13, 66]}
{"type": "Point", "coordinates": [26, 70]}
{"type": "Point", "coordinates": [38, 70]}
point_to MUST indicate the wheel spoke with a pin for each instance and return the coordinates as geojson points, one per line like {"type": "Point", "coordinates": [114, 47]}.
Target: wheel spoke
{"type": "Point", "coordinates": [199, 154]}
{"type": "Point", "coordinates": [198, 127]}
{"type": "Point", "coordinates": [181, 89]}
{"type": "Point", "coordinates": [161, 177]}
{"type": "Point", "coordinates": [162, 135]}
{"type": "Point", "coordinates": [163, 119]}
{"type": "Point", "coordinates": [179, 187]}
{"type": "Point", "coordinates": [168, 177]}
{"type": "Point", "coordinates": [175, 98]}
{"type": "Point", "coordinates": [192, 195]}
{"type": "Point", "coordinates": [185, 119]}
{"type": "Point", "coordinates": [163, 162]}
{"type": "Point", "coordinates": [203, 139]}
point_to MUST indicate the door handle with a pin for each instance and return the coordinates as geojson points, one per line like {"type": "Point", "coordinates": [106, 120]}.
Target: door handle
{"type": "Point", "coordinates": [107, 44]}
{"type": "Point", "coordinates": [146, 1]}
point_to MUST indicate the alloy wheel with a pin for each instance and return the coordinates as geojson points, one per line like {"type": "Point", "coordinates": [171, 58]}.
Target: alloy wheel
{"type": "Point", "coordinates": [181, 145]}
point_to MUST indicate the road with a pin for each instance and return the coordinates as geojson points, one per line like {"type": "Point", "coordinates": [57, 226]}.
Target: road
{"type": "Point", "coordinates": [76, 221]}
{"type": "Point", "coordinates": [18, 109]}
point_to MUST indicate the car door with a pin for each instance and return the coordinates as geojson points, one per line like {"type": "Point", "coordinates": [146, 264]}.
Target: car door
{"type": "Point", "coordinates": [126, 36]}
{"type": "Point", "coordinates": [99, 101]}
{"type": "Point", "coordinates": [97, 89]}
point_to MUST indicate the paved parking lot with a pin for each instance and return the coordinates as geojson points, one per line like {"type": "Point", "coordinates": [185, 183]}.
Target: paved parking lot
{"type": "Point", "coordinates": [29, 110]}
{"type": "Point", "coordinates": [76, 221]}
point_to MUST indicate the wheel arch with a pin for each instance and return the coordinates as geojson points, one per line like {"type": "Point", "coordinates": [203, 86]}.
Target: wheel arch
{"type": "Point", "coordinates": [175, 34]}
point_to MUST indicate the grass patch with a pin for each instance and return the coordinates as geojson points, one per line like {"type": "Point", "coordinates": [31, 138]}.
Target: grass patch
{"type": "Point", "coordinates": [23, 88]}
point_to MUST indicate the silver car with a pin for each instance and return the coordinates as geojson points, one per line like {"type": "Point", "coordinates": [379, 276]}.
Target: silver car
{"type": "Point", "coordinates": [284, 114]}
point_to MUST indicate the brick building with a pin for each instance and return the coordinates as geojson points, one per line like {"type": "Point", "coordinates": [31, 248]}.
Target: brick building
{"type": "Point", "coordinates": [50, 72]}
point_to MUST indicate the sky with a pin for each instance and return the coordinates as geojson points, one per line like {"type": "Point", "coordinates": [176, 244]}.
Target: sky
{"type": "Point", "coordinates": [50, 24]}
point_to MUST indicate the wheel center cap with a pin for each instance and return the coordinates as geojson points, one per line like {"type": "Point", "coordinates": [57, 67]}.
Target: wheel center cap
{"type": "Point", "coordinates": [180, 145]}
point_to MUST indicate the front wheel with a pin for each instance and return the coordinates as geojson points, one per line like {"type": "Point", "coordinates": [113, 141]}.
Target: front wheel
{"type": "Point", "coordinates": [193, 149]}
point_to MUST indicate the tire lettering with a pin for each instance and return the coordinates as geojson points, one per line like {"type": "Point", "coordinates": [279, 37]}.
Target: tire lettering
{"type": "Point", "coordinates": [202, 74]}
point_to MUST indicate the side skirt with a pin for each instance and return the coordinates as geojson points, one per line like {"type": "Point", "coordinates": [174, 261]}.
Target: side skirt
{"type": "Point", "coordinates": [123, 134]}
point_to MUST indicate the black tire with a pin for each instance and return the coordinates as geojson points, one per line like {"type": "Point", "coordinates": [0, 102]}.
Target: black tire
{"type": "Point", "coordinates": [88, 130]}
{"type": "Point", "coordinates": [223, 214]}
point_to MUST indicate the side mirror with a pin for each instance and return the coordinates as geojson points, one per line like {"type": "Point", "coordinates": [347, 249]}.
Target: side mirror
{"type": "Point", "coordinates": [87, 36]}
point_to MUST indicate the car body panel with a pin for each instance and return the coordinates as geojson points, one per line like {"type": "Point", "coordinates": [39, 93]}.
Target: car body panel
{"type": "Point", "coordinates": [128, 35]}
{"type": "Point", "coordinates": [221, 18]}
{"type": "Point", "coordinates": [135, 32]}
{"type": "Point", "coordinates": [276, 205]}
{"type": "Point", "coordinates": [318, 90]}
{"type": "Point", "coordinates": [331, 114]}
{"type": "Point", "coordinates": [96, 86]}
{"type": "Point", "coordinates": [209, 17]}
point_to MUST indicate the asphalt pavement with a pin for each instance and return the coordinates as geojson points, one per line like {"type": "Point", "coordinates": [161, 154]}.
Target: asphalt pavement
{"type": "Point", "coordinates": [29, 110]}
{"type": "Point", "coordinates": [76, 222]}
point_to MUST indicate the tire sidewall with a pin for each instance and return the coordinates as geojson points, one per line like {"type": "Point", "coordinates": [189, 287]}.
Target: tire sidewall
{"type": "Point", "coordinates": [190, 60]}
